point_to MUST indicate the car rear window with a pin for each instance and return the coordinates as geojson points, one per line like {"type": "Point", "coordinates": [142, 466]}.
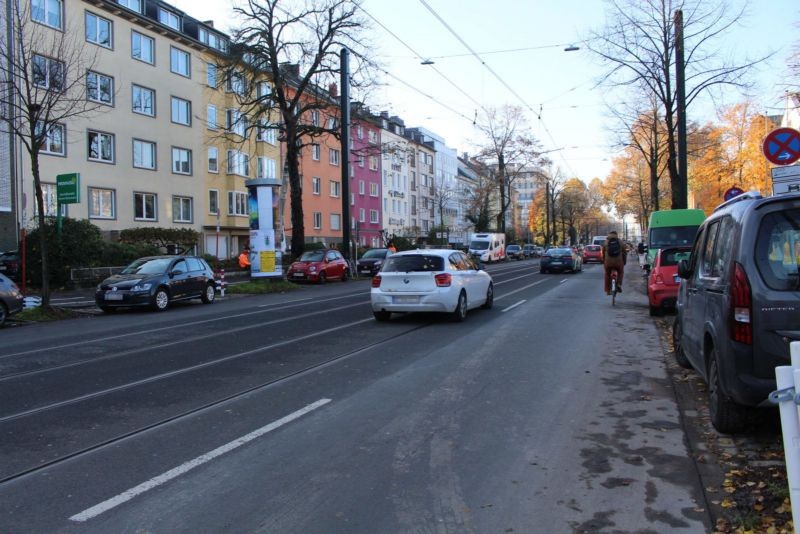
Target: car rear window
{"type": "Point", "coordinates": [413, 263]}
{"type": "Point", "coordinates": [593, 248]}
{"type": "Point", "coordinates": [672, 256]}
{"type": "Point", "coordinates": [375, 253]}
{"type": "Point", "coordinates": [778, 250]}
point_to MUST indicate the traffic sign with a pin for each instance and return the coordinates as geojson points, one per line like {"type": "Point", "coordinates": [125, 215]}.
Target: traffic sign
{"type": "Point", "coordinates": [733, 192]}
{"type": "Point", "coordinates": [782, 146]}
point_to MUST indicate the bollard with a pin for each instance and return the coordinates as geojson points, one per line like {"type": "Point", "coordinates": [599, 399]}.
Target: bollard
{"type": "Point", "coordinates": [222, 283]}
{"type": "Point", "coordinates": [786, 379]}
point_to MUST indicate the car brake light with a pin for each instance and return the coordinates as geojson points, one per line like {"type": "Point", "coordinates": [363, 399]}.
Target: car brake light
{"type": "Point", "coordinates": [376, 281]}
{"type": "Point", "coordinates": [741, 307]}
{"type": "Point", "coordinates": [443, 280]}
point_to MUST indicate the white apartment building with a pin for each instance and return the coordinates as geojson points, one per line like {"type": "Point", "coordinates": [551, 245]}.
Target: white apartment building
{"type": "Point", "coordinates": [396, 150]}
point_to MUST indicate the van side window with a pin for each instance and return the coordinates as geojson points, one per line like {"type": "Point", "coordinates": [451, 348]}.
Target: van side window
{"type": "Point", "coordinates": [723, 249]}
{"type": "Point", "coordinates": [707, 257]}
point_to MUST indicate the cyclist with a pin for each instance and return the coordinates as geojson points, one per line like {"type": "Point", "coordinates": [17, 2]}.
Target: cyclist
{"type": "Point", "coordinates": [614, 258]}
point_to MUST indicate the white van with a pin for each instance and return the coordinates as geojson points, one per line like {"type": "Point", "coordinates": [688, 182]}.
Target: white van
{"type": "Point", "coordinates": [488, 247]}
{"type": "Point", "coordinates": [599, 240]}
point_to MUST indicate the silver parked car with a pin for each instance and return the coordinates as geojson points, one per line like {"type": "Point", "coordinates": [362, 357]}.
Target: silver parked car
{"type": "Point", "coordinates": [11, 300]}
{"type": "Point", "coordinates": [434, 280]}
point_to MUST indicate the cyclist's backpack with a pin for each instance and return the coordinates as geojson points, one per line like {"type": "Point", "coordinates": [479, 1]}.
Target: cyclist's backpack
{"type": "Point", "coordinates": [613, 248]}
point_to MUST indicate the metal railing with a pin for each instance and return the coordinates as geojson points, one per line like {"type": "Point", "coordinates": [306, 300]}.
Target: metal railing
{"type": "Point", "coordinates": [93, 273]}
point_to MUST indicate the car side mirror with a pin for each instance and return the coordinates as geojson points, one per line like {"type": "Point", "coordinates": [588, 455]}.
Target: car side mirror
{"type": "Point", "coordinates": [176, 271]}
{"type": "Point", "coordinates": [684, 271]}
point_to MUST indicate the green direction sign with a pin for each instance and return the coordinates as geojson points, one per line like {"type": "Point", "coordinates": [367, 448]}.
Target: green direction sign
{"type": "Point", "coordinates": [68, 188]}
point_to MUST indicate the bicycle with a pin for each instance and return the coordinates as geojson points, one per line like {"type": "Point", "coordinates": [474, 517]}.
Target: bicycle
{"type": "Point", "coordinates": [614, 287]}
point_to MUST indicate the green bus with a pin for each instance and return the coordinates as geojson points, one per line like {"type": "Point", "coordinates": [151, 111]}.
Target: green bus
{"type": "Point", "coordinates": [671, 228]}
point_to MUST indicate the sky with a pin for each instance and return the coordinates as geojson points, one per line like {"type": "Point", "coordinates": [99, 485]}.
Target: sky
{"type": "Point", "coordinates": [521, 61]}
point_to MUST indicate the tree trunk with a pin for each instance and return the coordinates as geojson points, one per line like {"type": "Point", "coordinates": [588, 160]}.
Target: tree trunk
{"type": "Point", "coordinates": [296, 193]}
{"type": "Point", "coordinates": [501, 217]}
{"type": "Point", "coordinates": [37, 184]}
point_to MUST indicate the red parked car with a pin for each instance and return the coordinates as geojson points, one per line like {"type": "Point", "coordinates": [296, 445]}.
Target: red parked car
{"type": "Point", "coordinates": [592, 253]}
{"type": "Point", "coordinates": [663, 282]}
{"type": "Point", "coordinates": [319, 266]}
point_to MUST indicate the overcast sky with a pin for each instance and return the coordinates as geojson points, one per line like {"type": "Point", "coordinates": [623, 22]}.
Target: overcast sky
{"type": "Point", "coordinates": [521, 43]}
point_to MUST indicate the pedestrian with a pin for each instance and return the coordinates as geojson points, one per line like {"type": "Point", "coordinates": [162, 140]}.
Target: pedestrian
{"type": "Point", "coordinates": [614, 258]}
{"type": "Point", "coordinates": [244, 258]}
{"type": "Point", "coordinates": [391, 247]}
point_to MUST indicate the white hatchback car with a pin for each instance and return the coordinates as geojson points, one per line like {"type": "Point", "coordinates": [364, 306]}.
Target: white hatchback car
{"type": "Point", "coordinates": [434, 280]}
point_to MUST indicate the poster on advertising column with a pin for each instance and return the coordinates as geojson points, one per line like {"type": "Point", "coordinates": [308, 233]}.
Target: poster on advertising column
{"type": "Point", "coordinates": [265, 257]}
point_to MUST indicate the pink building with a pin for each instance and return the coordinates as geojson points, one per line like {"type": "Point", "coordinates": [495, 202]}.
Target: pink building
{"type": "Point", "coordinates": [365, 181]}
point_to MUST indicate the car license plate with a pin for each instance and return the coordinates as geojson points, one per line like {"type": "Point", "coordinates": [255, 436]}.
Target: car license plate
{"type": "Point", "coordinates": [406, 300]}
{"type": "Point", "coordinates": [113, 296]}
{"type": "Point", "coordinates": [3, 267]}
{"type": "Point", "coordinates": [676, 278]}
{"type": "Point", "coordinates": [364, 271]}
{"type": "Point", "coordinates": [556, 262]}
{"type": "Point", "coordinates": [298, 275]}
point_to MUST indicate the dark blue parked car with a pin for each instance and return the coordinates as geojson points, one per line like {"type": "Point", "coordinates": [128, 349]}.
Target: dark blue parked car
{"type": "Point", "coordinates": [560, 260]}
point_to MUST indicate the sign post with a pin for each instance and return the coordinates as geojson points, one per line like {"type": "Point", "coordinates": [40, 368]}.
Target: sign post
{"type": "Point", "coordinates": [68, 191]}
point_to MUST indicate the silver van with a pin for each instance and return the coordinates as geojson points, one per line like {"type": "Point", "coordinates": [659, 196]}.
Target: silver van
{"type": "Point", "coordinates": [739, 302]}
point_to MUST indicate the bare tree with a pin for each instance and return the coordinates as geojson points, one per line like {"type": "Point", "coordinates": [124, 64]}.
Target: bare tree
{"type": "Point", "coordinates": [637, 46]}
{"type": "Point", "coordinates": [510, 148]}
{"type": "Point", "coordinates": [43, 66]}
{"type": "Point", "coordinates": [298, 48]}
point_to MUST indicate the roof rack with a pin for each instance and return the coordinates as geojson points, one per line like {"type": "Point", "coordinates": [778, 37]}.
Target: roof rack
{"type": "Point", "coordinates": [752, 195]}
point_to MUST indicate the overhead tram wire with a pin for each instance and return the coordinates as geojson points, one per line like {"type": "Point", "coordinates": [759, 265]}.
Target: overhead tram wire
{"type": "Point", "coordinates": [503, 82]}
{"type": "Point", "coordinates": [417, 54]}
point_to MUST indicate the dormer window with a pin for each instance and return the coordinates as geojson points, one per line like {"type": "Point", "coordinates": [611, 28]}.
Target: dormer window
{"type": "Point", "coordinates": [135, 5]}
{"type": "Point", "coordinates": [168, 18]}
{"type": "Point", "coordinates": [212, 39]}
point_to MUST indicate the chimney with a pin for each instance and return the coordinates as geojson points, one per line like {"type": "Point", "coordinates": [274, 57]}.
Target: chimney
{"type": "Point", "coordinates": [333, 90]}
{"type": "Point", "coordinates": [384, 114]}
{"type": "Point", "coordinates": [209, 23]}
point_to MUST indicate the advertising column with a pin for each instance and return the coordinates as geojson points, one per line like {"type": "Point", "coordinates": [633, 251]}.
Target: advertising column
{"type": "Point", "coordinates": [265, 254]}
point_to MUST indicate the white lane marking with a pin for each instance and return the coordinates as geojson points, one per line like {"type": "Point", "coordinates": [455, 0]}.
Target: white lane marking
{"type": "Point", "coordinates": [185, 467]}
{"type": "Point", "coordinates": [59, 299]}
{"type": "Point", "coordinates": [523, 288]}
{"type": "Point", "coordinates": [163, 328]}
{"type": "Point", "coordinates": [564, 280]}
{"type": "Point", "coordinates": [517, 278]}
{"type": "Point", "coordinates": [286, 302]}
{"type": "Point", "coordinates": [176, 372]}
{"type": "Point", "coordinates": [514, 306]}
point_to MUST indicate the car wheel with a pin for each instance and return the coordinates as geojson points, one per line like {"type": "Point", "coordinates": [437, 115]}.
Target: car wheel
{"type": "Point", "coordinates": [542, 271]}
{"type": "Point", "coordinates": [489, 297]}
{"type": "Point", "coordinates": [3, 314]}
{"type": "Point", "coordinates": [345, 275]}
{"type": "Point", "coordinates": [160, 299]}
{"type": "Point", "coordinates": [726, 416]}
{"type": "Point", "coordinates": [680, 356]}
{"type": "Point", "coordinates": [209, 294]}
{"type": "Point", "coordinates": [460, 312]}
{"type": "Point", "coordinates": [322, 278]}
{"type": "Point", "coordinates": [655, 311]}
{"type": "Point", "coordinates": [382, 316]}
{"type": "Point", "coordinates": [108, 309]}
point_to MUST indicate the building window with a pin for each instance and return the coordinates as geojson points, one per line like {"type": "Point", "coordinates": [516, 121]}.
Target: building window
{"type": "Point", "coordinates": [264, 90]}
{"type": "Point", "coordinates": [335, 186]}
{"type": "Point", "coordinates": [238, 163]}
{"type": "Point", "coordinates": [49, 198]}
{"type": "Point", "coordinates": [48, 73]}
{"type": "Point", "coordinates": [362, 215]}
{"type": "Point", "coordinates": [237, 203]}
{"type": "Point", "coordinates": [168, 18]}
{"type": "Point", "coordinates": [360, 131]}
{"type": "Point", "coordinates": [101, 147]}
{"type": "Point", "coordinates": [211, 117]}
{"type": "Point", "coordinates": [135, 5]}
{"type": "Point", "coordinates": [266, 167]}
{"type": "Point", "coordinates": [98, 30]}
{"type": "Point", "coordinates": [235, 83]}
{"type": "Point", "coordinates": [102, 203]}
{"type": "Point", "coordinates": [360, 159]}
{"type": "Point", "coordinates": [317, 220]}
{"type": "Point", "coordinates": [181, 209]}
{"type": "Point", "coordinates": [99, 88]}
{"type": "Point", "coordinates": [54, 141]}
{"type": "Point", "coordinates": [142, 47]}
{"type": "Point", "coordinates": [144, 154]}
{"type": "Point", "coordinates": [361, 187]}
{"type": "Point", "coordinates": [213, 159]}
{"type": "Point", "coordinates": [181, 161]}
{"type": "Point", "coordinates": [373, 190]}
{"type": "Point", "coordinates": [211, 75]}
{"type": "Point", "coordinates": [266, 132]}
{"type": "Point", "coordinates": [373, 137]}
{"type": "Point", "coordinates": [373, 163]}
{"type": "Point", "coordinates": [48, 12]}
{"type": "Point", "coordinates": [314, 117]}
{"type": "Point", "coordinates": [333, 156]}
{"type": "Point", "coordinates": [316, 186]}
{"type": "Point", "coordinates": [332, 124]}
{"type": "Point", "coordinates": [144, 206]}
{"type": "Point", "coordinates": [336, 221]}
{"type": "Point", "coordinates": [143, 101]}
{"type": "Point", "coordinates": [236, 122]}
{"type": "Point", "coordinates": [179, 61]}
{"type": "Point", "coordinates": [373, 216]}
{"type": "Point", "coordinates": [213, 202]}
{"type": "Point", "coordinates": [181, 111]}
{"type": "Point", "coordinates": [315, 151]}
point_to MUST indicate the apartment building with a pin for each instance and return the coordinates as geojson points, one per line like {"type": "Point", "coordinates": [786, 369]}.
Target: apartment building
{"type": "Point", "coordinates": [396, 150]}
{"type": "Point", "coordinates": [365, 182]}
{"type": "Point", "coordinates": [9, 225]}
{"type": "Point", "coordinates": [150, 152]}
{"type": "Point", "coordinates": [421, 192]}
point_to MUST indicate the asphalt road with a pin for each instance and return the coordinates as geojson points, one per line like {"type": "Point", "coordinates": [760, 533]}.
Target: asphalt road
{"type": "Point", "coordinates": [298, 412]}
